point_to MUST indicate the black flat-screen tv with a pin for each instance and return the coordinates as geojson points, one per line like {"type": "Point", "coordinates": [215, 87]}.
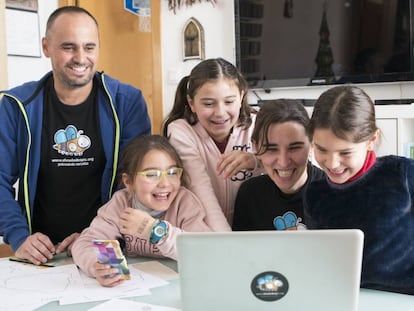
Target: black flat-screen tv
{"type": "Point", "coordinates": [283, 43]}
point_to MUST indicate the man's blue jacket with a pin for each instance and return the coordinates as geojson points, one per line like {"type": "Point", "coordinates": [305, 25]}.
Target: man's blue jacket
{"type": "Point", "coordinates": [122, 114]}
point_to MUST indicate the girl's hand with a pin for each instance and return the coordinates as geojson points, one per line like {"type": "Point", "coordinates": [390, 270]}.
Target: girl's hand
{"type": "Point", "coordinates": [106, 275]}
{"type": "Point", "coordinates": [235, 161]}
{"type": "Point", "coordinates": [136, 222]}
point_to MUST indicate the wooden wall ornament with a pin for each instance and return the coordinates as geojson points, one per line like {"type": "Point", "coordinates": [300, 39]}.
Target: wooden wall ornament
{"type": "Point", "coordinates": [193, 40]}
{"type": "Point", "coordinates": [176, 4]}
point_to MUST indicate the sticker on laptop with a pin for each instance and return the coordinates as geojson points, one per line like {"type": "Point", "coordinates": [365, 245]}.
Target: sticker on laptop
{"type": "Point", "coordinates": [269, 286]}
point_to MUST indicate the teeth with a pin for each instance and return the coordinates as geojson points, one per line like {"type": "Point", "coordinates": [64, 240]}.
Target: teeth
{"type": "Point", "coordinates": [83, 68]}
{"type": "Point", "coordinates": [285, 173]}
{"type": "Point", "coordinates": [163, 195]}
{"type": "Point", "coordinates": [219, 121]}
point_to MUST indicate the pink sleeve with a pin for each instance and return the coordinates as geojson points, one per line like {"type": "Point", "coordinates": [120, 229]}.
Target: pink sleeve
{"type": "Point", "coordinates": [104, 227]}
{"type": "Point", "coordinates": [186, 142]}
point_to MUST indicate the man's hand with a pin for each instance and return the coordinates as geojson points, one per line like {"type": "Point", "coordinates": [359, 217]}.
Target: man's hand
{"type": "Point", "coordinates": [66, 244]}
{"type": "Point", "coordinates": [37, 249]}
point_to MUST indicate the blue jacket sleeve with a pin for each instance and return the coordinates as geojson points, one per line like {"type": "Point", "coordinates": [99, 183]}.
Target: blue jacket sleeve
{"type": "Point", "coordinates": [13, 224]}
{"type": "Point", "coordinates": [134, 115]}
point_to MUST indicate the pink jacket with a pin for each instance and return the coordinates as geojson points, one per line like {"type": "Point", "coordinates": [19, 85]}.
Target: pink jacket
{"type": "Point", "coordinates": [200, 156]}
{"type": "Point", "coordinates": [184, 214]}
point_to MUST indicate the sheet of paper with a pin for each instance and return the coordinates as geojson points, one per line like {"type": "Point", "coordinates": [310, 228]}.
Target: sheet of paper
{"type": "Point", "coordinates": [128, 305]}
{"type": "Point", "coordinates": [95, 292]}
{"type": "Point", "coordinates": [26, 287]}
{"type": "Point", "coordinates": [157, 269]}
{"type": "Point", "coordinates": [139, 285]}
{"type": "Point", "coordinates": [147, 280]}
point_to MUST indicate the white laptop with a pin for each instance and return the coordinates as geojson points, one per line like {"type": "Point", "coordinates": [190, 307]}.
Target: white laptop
{"type": "Point", "coordinates": [312, 270]}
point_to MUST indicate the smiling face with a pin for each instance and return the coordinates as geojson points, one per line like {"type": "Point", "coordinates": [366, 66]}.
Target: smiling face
{"type": "Point", "coordinates": [155, 195]}
{"type": "Point", "coordinates": [339, 158]}
{"type": "Point", "coordinates": [72, 44]}
{"type": "Point", "coordinates": [217, 106]}
{"type": "Point", "coordinates": [286, 156]}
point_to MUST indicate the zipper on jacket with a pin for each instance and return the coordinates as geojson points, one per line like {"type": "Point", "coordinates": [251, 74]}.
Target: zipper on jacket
{"type": "Point", "coordinates": [117, 137]}
{"type": "Point", "coordinates": [26, 164]}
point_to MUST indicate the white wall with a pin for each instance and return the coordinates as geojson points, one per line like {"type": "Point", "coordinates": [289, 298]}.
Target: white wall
{"type": "Point", "coordinates": [218, 23]}
{"type": "Point", "coordinates": [22, 69]}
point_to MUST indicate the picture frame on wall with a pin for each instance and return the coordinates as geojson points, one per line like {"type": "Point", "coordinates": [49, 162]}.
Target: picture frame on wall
{"type": "Point", "coordinates": [22, 33]}
{"type": "Point", "coordinates": [25, 5]}
{"type": "Point", "coordinates": [193, 40]}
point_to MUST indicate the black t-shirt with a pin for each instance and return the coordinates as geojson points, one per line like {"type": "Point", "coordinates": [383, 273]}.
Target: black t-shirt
{"type": "Point", "coordinates": [260, 205]}
{"type": "Point", "coordinates": [72, 161]}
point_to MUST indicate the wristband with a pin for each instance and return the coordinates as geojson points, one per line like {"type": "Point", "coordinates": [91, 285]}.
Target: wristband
{"type": "Point", "coordinates": [158, 232]}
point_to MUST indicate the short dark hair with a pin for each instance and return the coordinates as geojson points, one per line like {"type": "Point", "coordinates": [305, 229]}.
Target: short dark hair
{"type": "Point", "coordinates": [67, 9]}
{"type": "Point", "coordinates": [277, 111]}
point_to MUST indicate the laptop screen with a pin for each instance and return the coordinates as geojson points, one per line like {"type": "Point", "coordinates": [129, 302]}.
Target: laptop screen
{"type": "Point", "coordinates": [270, 270]}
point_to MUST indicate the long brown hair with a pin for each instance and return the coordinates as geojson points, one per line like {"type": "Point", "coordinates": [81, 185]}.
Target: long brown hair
{"type": "Point", "coordinates": [347, 111]}
{"type": "Point", "coordinates": [207, 71]}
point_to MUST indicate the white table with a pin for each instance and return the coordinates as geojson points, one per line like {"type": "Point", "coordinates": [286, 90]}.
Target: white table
{"type": "Point", "coordinates": [373, 300]}
{"type": "Point", "coordinates": [370, 300]}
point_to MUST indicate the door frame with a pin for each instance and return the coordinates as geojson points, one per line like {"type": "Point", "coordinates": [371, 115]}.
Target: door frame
{"type": "Point", "coordinates": [156, 96]}
{"type": "Point", "coordinates": [3, 50]}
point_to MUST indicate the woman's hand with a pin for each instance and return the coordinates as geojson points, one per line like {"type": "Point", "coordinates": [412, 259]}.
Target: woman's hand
{"type": "Point", "coordinates": [66, 244]}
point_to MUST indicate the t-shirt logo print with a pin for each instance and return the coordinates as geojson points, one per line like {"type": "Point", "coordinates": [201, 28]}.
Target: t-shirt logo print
{"type": "Point", "coordinates": [71, 142]}
{"type": "Point", "coordinates": [243, 174]}
{"type": "Point", "coordinates": [289, 221]}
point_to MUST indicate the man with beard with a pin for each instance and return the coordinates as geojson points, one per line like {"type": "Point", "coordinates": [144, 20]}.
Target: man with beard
{"type": "Point", "coordinates": [60, 138]}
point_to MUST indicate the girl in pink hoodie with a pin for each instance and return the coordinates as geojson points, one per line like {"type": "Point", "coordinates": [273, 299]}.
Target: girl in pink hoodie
{"type": "Point", "coordinates": [210, 126]}
{"type": "Point", "coordinates": [148, 214]}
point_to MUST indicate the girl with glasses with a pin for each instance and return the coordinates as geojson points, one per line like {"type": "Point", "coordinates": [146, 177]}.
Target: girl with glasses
{"type": "Point", "coordinates": [147, 214]}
